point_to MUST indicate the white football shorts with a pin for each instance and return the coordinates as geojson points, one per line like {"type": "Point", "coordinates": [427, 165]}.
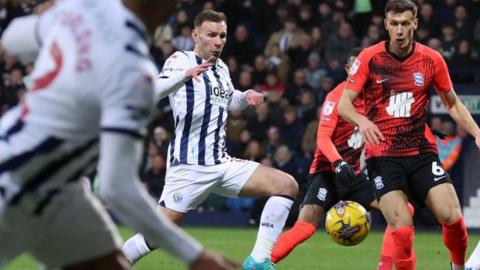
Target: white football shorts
{"type": "Point", "coordinates": [73, 228]}
{"type": "Point", "coordinates": [187, 186]}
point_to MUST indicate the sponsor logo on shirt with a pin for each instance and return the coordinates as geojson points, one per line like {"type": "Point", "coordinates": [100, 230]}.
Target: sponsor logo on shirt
{"type": "Point", "coordinates": [354, 67]}
{"type": "Point", "coordinates": [328, 107]}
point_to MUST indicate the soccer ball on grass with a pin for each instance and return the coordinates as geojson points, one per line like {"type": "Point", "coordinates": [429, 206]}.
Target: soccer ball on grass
{"type": "Point", "coordinates": [347, 223]}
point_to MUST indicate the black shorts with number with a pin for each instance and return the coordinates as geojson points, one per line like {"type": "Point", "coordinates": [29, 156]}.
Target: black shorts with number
{"type": "Point", "coordinates": [325, 190]}
{"type": "Point", "coordinates": [414, 175]}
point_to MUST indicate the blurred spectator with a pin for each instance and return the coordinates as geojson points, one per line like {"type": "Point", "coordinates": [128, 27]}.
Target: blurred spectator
{"type": "Point", "coordinates": [245, 81]}
{"type": "Point", "coordinates": [299, 54]}
{"type": "Point", "coordinates": [305, 18]}
{"type": "Point", "coordinates": [297, 86]}
{"type": "Point", "coordinates": [450, 147]}
{"type": "Point", "coordinates": [183, 41]}
{"type": "Point", "coordinates": [267, 20]}
{"type": "Point", "coordinates": [309, 140]}
{"type": "Point", "coordinates": [259, 125]}
{"type": "Point", "coordinates": [154, 177]}
{"type": "Point", "coordinates": [463, 63]}
{"type": "Point", "coordinates": [318, 39]}
{"type": "Point", "coordinates": [292, 129]}
{"type": "Point", "coordinates": [280, 62]}
{"type": "Point", "coordinates": [289, 37]}
{"type": "Point", "coordinates": [362, 13]}
{"type": "Point", "coordinates": [273, 142]}
{"type": "Point", "coordinates": [260, 69]}
{"type": "Point", "coordinates": [271, 84]}
{"type": "Point", "coordinates": [232, 64]}
{"type": "Point", "coordinates": [448, 40]}
{"type": "Point", "coordinates": [235, 124]}
{"type": "Point", "coordinates": [276, 106]}
{"type": "Point", "coordinates": [463, 24]}
{"type": "Point", "coordinates": [253, 151]}
{"type": "Point", "coordinates": [327, 85]}
{"type": "Point", "coordinates": [314, 73]}
{"type": "Point", "coordinates": [427, 20]}
{"type": "Point", "coordinates": [307, 107]}
{"type": "Point", "coordinates": [338, 46]}
{"type": "Point", "coordinates": [283, 160]}
{"type": "Point", "coordinates": [372, 37]}
{"type": "Point", "coordinates": [435, 44]}
{"type": "Point", "coordinates": [237, 45]}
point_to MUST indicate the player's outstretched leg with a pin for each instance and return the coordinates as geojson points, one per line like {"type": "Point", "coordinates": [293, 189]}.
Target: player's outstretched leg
{"type": "Point", "coordinates": [135, 248]}
{"type": "Point", "coordinates": [282, 187]}
{"type": "Point", "coordinates": [303, 229]}
{"type": "Point", "coordinates": [388, 247]}
{"type": "Point", "coordinates": [473, 262]}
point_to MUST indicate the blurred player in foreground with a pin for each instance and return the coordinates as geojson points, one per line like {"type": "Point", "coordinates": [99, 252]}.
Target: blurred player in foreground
{"type": "Point", "coordinates": [335, 175]}
{"type": "Point", "coordinates": [394, 77]}
{"type": "Point", "coordinates": [91, 95]}
{"type": "Point", "coordinates": [201, 93]}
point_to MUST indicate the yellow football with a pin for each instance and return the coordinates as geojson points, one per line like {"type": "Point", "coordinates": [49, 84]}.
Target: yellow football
{"type": "Point", "coordinates": [347, 223]}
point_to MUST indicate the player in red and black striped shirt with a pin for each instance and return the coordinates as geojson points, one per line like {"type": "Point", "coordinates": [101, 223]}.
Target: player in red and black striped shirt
{"type": "Point", "coordinates": [335, 175]}
{"type": "Point", "coordinates": [394, 77]}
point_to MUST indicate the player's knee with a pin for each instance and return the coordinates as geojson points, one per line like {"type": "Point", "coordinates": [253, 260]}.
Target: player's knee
{"type": "Point", "coordinates": [450, 215]}
{"type": "Point", "coordinates": [400, 219]}
{"type": "Point", "coordinates": [289, 186]}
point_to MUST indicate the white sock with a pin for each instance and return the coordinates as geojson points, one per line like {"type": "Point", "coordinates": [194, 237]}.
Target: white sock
{"type": "Point", "coordinates": [135, 248]}
{"type": "Point", "coordinates": [473, 262]}
{"type": "Point", "coordinates": [273, 219]}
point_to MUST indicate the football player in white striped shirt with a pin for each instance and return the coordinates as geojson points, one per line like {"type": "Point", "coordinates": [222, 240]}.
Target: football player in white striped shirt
{"type": "Point", "coordinates": [201, 94]}
{"type": "Point", "coordinates": [90, 97]}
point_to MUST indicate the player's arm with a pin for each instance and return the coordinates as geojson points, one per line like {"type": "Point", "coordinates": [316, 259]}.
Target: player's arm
{"type": "Point", "coordinates": [357, 78]}
{"type": "Point", "coordinates": [347, 110]}
{"type": "Point", "coordinates": [460, 114]}
{"type": "Point", "coordinates": [455, 107]}
{"type": "Point", "coordinates": [175, 73]}
{"type": "Point", "coordinates": [126, 104]}
{"type": "Point", "coordinates": [24, 35]}
{"type": "Point", "coordinates": [327, 125]}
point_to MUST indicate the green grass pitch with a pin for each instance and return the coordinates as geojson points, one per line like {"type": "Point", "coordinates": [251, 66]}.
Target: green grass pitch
{"type": "Point", "coordinates": [316, 253]}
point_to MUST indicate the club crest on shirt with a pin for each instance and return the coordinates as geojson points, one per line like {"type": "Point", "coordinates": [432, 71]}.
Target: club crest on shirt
{"type": "Point", "coordinates": [328, 107]}
{"type": "Point", "coordinates": [418, 79]}
{"type": "Point", "coordinates": [354, 67]}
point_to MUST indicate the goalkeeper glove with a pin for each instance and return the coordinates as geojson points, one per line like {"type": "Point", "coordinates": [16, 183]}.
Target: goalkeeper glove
{"type": "Point", "coordinates": [344, 173]}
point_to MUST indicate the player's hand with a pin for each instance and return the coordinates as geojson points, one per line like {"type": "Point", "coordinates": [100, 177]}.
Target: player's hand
{"type": "Point", "coordinates": [344, 173]}
{"type": "Point", "coordinates": [210, 260]}
{"type": "Point", "coordinates": [370, 132]}
{"type": "Point", "coordinates": [253, 98]}
{"type": "Point", "coordinates": [197, 70]}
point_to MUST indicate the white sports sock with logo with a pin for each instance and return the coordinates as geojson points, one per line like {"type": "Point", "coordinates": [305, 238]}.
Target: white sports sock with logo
{"type": "Point", "coordinates": [272, 221]}
{"type": "Point", "coordinates": [135, 248]}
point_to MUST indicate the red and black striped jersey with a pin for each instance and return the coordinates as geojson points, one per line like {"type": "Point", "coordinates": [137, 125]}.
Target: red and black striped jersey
{"type": "Point", "coordinates": [395, 93]}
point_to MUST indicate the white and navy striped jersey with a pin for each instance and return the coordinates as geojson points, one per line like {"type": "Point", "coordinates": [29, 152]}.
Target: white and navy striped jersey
{"type": "Point", "coordinates": [93, 73]}
{"type": "Point", "coordinates": [200, 109]}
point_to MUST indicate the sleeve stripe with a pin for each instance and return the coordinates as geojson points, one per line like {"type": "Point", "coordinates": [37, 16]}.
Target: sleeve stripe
{"type": "Point", "coordinates": [125, 131]}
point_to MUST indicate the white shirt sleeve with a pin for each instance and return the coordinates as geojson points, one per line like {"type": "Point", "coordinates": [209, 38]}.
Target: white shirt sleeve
{"type": "Point", "coordinates": [19, 37]}
{"type": "Point", "coordinates": [237, 101]}
{"type": "Point", "coordinates": [172, 76]}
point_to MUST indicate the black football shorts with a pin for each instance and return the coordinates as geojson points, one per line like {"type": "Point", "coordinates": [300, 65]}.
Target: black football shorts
{"type": "Point", "coordinates": [414, 175]}
{"type": "Point", "coordinates": [324, 190]}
